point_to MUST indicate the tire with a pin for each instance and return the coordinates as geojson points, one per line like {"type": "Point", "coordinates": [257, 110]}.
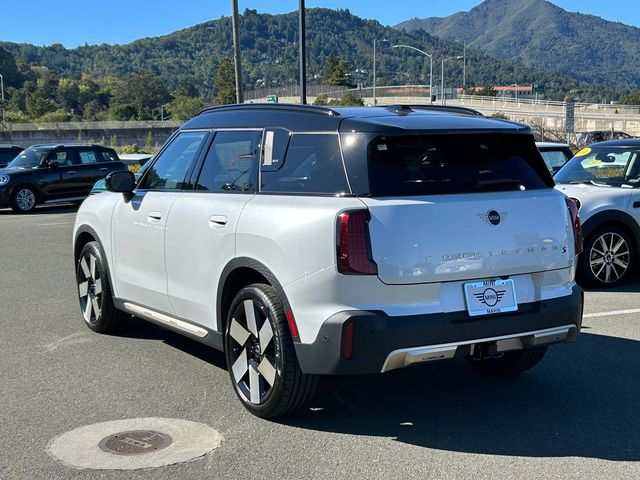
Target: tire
{"type": "Point", "coordinates": [510, 363]}
{"type": "Point", "coordinates": [94, 292]}
{"type": "Point", "coordinates": [607, 258]}
{"type": "Point", "coordinates": [23, 199]}
{"type": "Point", "coordinates": [260, 355]}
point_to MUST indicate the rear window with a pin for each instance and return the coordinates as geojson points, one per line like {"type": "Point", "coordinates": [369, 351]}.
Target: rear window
{"type": "Point", "coordinates": [418, 165]}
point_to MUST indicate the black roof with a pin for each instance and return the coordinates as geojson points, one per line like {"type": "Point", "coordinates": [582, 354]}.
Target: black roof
{"type": "Point", "coordinates": [66, 145]}
{"type": "Point", "coordinates": [345, 119]}
{"type": "Point", "coordinates": [623, 142]}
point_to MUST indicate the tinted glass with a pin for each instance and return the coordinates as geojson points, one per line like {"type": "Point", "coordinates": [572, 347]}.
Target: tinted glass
{"type": "Point", "coordinates": [29, 159]}
{"type": "Point", "coordinates": [312, 164]}
{"type": "Point", "coordinates": [63, 158]}
{"type": "Point", "coordinates": [89, 157]}
{"type": "Point", "coordinates": [7, 155]}
{"type": "Point", "coordinates": [602, 166]}
{"type": "Point", "coordinates": [231, 164]}
{"type": "Point", "coordinates": [454, 164]}
{"type": "Point", "coordinates": [169, 172]}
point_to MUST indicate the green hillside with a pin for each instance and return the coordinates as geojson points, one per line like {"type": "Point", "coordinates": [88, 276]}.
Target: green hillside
{"type": "Point", "coordinates": [542, 35]}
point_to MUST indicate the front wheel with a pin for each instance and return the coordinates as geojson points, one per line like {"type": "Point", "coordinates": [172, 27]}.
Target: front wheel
{"type": "Point", "coordinates": [94, 293]}
{"type": "Point", "coordinates": [509, 363]}
{"type": "Point", "coordinates": [23, 200]}
{"type": "Point", "coordinates": [260, 355]}
{"type": "Point", "coordinates": [607, 258]}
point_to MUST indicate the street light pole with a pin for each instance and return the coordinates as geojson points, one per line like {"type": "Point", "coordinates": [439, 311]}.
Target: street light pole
{"type": "Point", "coordinates": [443, 100]}
{"type": "Point", "coordinates": [430, 67]}
{"type": "Point", "coordinates": [236, 50]}
{"type": "Point", "coordinates": [2, 86]}
{"type": "Point", "coordinates": [374, 72]}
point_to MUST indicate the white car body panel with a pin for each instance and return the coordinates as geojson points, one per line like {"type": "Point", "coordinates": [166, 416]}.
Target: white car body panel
{"type": "Point", "coordinates": [198, 246]}
{"type": "Point", "coordinates": [595, 199]}
{"type": "Point", "coordinates": [138, 233]}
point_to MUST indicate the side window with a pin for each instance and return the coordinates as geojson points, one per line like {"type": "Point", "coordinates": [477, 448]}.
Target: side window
{"type": "Point", "coordinates": [312, 164]}
{"type": "Point", "coordinates": [88, 157]}
{"type": "Point", "coordinates": [231, 164]}
{"type": "Point", "coordinates": [108, 156]}
{"type": "Point", "coordinates": [169, 172]}
{"type": "Point", "coordinates": [63, 158]}
{"type": "Point", "coordinates": [276, 141]}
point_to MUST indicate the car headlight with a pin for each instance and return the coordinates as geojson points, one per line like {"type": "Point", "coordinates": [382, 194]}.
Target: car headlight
{"type": "Point", "coordinates": [4, 179]}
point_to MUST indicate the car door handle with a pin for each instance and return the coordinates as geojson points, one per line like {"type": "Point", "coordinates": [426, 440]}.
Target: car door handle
{"type": "Point", "coordinates": [104, 169]}
{"type": "Point", "coordinates": [154, 217]}
{"type": "Point", "coordinates": [217, 221]}
{"type": "Point", "coordinates": [71, 172]}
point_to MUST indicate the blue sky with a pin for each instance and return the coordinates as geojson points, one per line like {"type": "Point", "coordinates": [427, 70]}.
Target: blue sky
{"type": "Point", "coordinates": [74, 22]}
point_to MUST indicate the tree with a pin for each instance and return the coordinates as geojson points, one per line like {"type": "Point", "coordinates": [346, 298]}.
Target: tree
{"type": "Point", "coordinates": [225, 82]}
{"type": "Point", "coordinates": [136, 96]}
{"type": "Point", "coordinates": [335, 71]}
{"type": "Point", "coordinates": [631, 99]}
{"type": "Point", "coordinates": [8, 68]}
{"type": "Point", "coordinates": [183, 108]}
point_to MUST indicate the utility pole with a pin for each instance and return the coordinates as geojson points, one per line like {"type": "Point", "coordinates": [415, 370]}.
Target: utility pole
{"type": "Point", "coordinates": [236, 50]}
{"type": "Point", "coordinates": [303, 54]}
{"type": "Point", "coordinates": [374, 72]}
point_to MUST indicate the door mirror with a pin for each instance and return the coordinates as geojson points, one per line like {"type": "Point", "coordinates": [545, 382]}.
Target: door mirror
{"type": "Point", "coordinates": [120, 182]}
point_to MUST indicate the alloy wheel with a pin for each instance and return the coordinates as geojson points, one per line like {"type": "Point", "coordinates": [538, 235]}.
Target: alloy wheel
{"type": "Point", "coordinates": [90, 288]}
{"type": "Point", "coordinates": [609, 257]}
{"type": "Point", "coordinates": [254, 356]}
{"type": "Point", "coordinates": [25, 199]}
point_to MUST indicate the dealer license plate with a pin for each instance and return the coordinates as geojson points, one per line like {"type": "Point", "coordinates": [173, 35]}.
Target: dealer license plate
{"type": "Point", "coordinates": [490, 296]}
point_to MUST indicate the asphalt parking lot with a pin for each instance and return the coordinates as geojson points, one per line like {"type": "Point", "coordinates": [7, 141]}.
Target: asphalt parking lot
{"type": "Point", "coordinates": [574, 416]}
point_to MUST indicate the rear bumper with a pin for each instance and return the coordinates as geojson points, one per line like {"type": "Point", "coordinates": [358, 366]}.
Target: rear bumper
{"type": "Point", "coordinates": [382, 343]}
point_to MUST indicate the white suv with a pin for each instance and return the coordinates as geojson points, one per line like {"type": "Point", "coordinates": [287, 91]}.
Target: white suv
{"type": "Point", "coordinates": [306, 241]}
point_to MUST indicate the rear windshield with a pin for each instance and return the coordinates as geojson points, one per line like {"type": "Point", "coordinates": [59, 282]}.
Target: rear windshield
{"type": "Point", "coordinates": [454, 164]}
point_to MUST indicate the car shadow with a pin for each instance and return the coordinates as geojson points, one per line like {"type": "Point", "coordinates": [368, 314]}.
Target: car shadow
{"type": "Point", "coordinates": [580, 401]}
{"type": "Point", "coordinates": [42, 210]}
{"type": "Point", "coordinates": [629, 285]}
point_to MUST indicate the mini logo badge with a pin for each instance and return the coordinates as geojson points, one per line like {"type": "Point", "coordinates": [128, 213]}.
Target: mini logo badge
{"type": "Point", "coordinates": [492, 217]}
{"type": "Point", "coordinates": [490, 297]}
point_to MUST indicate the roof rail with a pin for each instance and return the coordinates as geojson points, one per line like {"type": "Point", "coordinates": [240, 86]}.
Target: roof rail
{"type": "Point", "coordinates": [274, 106]}
{"type": "Point", "coordinates": [405, 109]}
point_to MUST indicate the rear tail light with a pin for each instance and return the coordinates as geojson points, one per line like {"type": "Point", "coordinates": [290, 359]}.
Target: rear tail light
{"type": "Point", "coordinates": [354, 247]}
{"type": "Point", "coordinates": [573, 205]}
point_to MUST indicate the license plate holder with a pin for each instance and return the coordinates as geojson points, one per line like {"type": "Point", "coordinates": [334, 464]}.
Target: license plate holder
{"type": "Point", "coordinates": [490, 296]}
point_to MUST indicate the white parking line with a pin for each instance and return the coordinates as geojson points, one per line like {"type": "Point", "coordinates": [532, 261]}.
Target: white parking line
{"type": "Point", "coordinates": [47, 224]}
{"type": "Point", "coordinates": [613, 312]}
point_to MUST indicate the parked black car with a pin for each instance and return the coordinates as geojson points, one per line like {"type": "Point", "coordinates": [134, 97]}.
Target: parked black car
{"type": "Point", "coordinates": [54, 174]}
{"type": "Point", "coordinates": [8, 153]}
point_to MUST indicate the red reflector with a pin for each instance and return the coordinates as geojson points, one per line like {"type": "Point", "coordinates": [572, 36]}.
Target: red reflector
{"type": "Point", "coordinates": [347, 339]}
{"type": "Point", "coordinates": [572, 205]}
{"type": "Point", "coordinates": [292, 324]}
{"type": "Point", "coordinates": [354, 250]}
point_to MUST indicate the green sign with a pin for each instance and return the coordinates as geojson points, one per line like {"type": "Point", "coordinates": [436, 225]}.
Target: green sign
{"type": "Point", "coordinates": [272, 99]}
{"type": "Point", "coordinates": [538, 88]}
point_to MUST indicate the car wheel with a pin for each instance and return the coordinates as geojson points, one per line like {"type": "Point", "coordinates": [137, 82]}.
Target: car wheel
{"type": "Point", "coordinates": [510, 363]}
{"type": "Point", "coordinates": [94, 292]}
{"type": "Point", "coordinates": [260, 355]}
{"type": "Point", "coordinates": [23, 200]}
{"type": "Point", "coordinates": [607, 258]}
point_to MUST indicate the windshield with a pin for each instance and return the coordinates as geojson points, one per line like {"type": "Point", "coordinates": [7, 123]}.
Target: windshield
{"type": "Point", "coordinates": [454, 164]}
{"type": "Point", "coordinates": [606, 166]}
{"type": "Point", "coordinates": [28, 159]}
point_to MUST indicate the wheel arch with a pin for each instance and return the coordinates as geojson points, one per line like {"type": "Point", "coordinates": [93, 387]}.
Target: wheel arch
{"type": "Point", "coordinates": [85, 234]}
{"type": "Point", "coordinates": [616, 218]}
{"type": "Point", "coordinates": [237, 274]}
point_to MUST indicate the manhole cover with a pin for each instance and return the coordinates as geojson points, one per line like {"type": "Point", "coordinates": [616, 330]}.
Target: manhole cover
{"type": "Point", "coordinates": [136, 442]}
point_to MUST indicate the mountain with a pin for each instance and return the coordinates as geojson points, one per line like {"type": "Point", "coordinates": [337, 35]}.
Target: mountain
{"type": "Point", "coordinates": [543, 35]}
{"type": "Point", "coordinates": [269, 55]}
